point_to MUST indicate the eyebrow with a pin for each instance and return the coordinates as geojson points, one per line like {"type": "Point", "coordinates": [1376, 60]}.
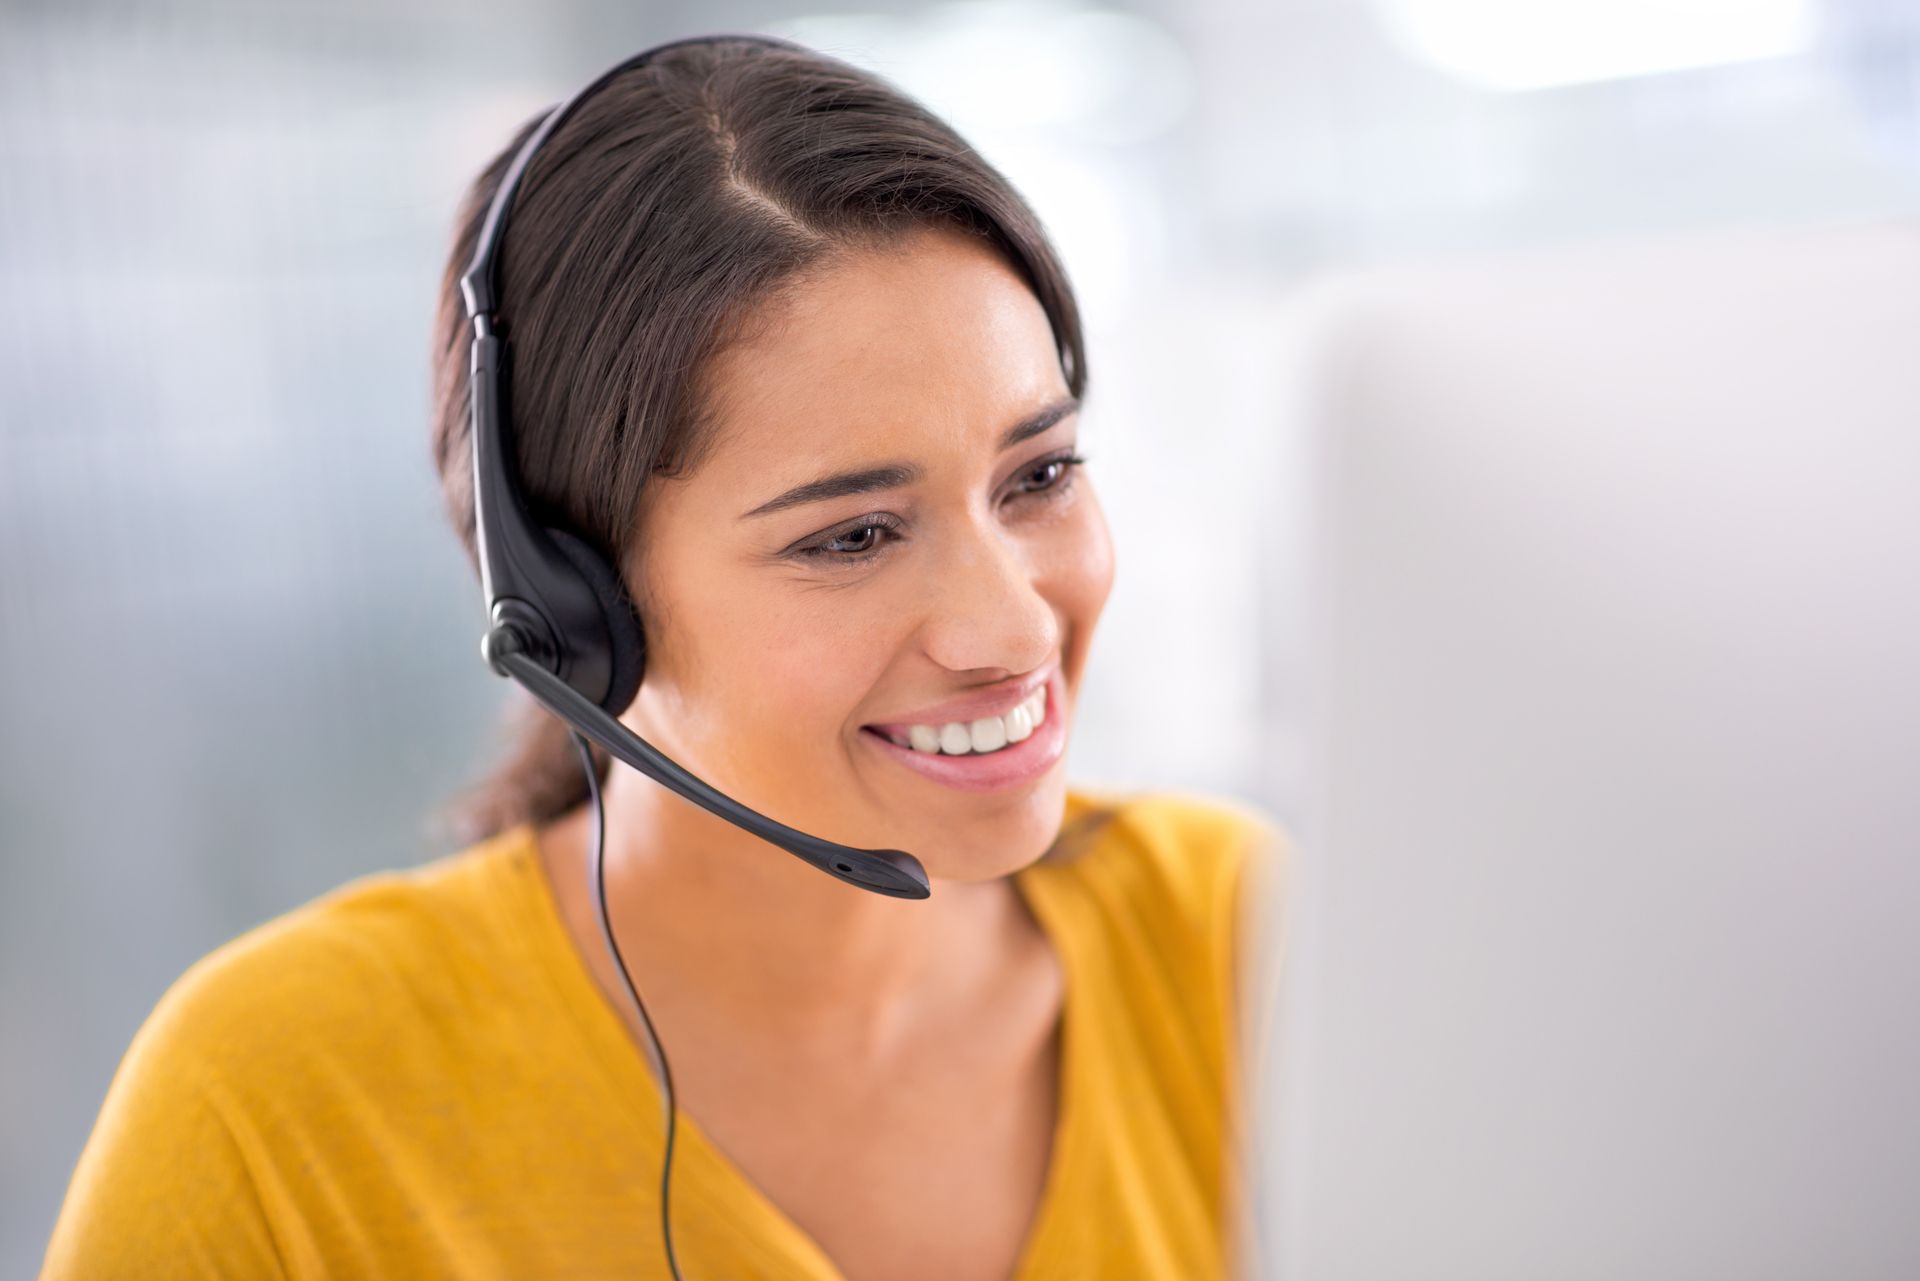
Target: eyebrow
{"type": "Point", "coordinates": [894, 475]}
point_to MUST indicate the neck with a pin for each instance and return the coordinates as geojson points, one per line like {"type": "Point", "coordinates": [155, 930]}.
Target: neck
{"type": "Point", "coordinates": [731, 931]}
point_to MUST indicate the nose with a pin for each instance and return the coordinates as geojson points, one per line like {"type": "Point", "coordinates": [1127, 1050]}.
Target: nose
{"type": "Point", "coordinates": [986, 607]}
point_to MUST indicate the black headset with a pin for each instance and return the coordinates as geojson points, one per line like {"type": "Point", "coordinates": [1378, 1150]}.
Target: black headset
{"type": "Point", "coordinates": [559, 620]}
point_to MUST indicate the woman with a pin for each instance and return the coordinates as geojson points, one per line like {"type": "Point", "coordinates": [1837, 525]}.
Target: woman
{"type": "Point", "coordinates": [732, 272]}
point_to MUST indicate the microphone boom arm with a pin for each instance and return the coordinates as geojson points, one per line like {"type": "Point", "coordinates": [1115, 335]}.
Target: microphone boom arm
{"type": "Point", "coordinates": [892, 872]}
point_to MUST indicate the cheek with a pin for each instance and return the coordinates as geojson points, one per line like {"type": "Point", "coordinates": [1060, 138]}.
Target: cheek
{"type": "Point", "coordinates": [814, 657]}
{"type": "Point", "coordinates": [748, 668]}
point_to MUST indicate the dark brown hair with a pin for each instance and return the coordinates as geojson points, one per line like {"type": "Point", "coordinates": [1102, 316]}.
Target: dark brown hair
{"type": "Point", "coordinates": [650, 230]}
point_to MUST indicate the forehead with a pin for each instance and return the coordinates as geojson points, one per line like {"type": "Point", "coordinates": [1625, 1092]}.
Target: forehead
{"type": "Point", "coordinates": [930, 343]}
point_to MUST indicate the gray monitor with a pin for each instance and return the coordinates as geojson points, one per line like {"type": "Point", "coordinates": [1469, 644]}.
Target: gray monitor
{"type": "Point", "coordinates": [1602, 950]}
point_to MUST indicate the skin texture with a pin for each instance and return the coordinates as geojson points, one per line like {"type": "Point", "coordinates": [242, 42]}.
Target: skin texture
{"type": "Point", "coordinates": [884, 1070]}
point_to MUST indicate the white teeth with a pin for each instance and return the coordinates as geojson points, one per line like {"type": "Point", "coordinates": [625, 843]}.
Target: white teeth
{"type": "Point", "coordinates": [988, 734]}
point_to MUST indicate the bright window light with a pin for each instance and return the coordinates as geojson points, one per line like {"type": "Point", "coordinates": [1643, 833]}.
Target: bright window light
{"type": "Point", "coordinates": [1509, 45]}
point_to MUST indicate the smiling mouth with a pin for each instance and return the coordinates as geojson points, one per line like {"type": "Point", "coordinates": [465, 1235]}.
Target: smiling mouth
{"type": "Point", "coordinates": [981, 736]}
{"type": "Point", "coordinates": [1010, 765]}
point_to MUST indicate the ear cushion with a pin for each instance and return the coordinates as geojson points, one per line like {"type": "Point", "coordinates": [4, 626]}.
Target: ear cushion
{"type": "Point", "coordinates": [624, 634]}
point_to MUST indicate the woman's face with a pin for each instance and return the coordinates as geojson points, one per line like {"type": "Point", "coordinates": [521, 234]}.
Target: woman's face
{"type": "Point", "coordinates": [882, 536]}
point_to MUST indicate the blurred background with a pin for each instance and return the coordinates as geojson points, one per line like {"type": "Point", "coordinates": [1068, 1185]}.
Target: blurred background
{"type": "Point", "coordinates": [237, 641]}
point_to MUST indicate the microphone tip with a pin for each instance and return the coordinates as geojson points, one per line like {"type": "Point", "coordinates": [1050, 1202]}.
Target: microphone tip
{"type": "Point", "coordinates": [893, 872]}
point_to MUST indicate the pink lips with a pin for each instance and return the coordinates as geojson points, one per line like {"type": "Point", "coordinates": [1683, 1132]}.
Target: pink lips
{"type": "Point", "coordinates": [997, 701]}
{"type": "Point", "coordinates": [1015, 765]}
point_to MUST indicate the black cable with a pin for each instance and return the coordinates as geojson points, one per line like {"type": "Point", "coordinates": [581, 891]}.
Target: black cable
{"type": "Point", "coordinates": [598, 882]}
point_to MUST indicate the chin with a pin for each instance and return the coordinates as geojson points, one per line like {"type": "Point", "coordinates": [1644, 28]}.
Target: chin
{"type": "Point", "coordinates": [1000, 836]}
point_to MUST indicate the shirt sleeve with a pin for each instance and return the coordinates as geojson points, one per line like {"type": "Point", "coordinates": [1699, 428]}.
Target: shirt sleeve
{"type": "Point", "coordinates": [162, 1188]}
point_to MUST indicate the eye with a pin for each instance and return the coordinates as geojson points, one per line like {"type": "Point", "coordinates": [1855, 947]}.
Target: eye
{"type": "Point", "coordinates": [870, 539]}
{"type": "Point", "coordinates": [1052, 476]}
{"type": "Point", "coordinates": [854, 544]}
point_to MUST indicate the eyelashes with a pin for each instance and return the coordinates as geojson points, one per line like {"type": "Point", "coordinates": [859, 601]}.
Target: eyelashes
{"type": "Point", "coordinates": [876, 533]}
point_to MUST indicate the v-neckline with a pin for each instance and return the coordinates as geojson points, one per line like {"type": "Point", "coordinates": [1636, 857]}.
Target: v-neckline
{"type": "Point", "coordinates": [627, 1058]}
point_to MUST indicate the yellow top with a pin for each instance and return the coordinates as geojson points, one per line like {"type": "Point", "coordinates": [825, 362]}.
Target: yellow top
{"type": "Point", "coordinates": [415, 1075]}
